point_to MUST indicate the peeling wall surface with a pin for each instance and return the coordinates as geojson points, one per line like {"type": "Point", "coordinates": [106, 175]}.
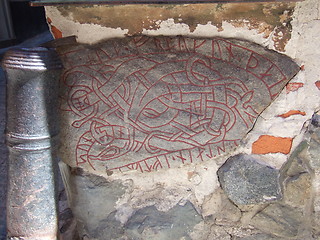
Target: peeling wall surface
{"type": "Point", "coordinates": [267, 188]}
{"type": "Point", "coordinates": [266, 21]}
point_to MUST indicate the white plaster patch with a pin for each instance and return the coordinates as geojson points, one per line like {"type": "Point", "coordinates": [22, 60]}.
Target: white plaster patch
{"type": "Point", "coordinates": [304, 48]}
{"type": "Point", "coordinates": [168, 28]}
{"type": "Point", "coordinates": [230, 31]}
{"type": "Point", "coordinates": [209, 182]}
{"type": "Point", "coordinates": [86, 33]}
{"type": "Point", "coordinates": [274, 160]}
{"type": "Point", "coordinates": [165, 189]}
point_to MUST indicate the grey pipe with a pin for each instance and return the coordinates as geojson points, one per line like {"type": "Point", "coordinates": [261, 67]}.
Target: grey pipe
{"type": "Point", "coordinates": [32, 126]}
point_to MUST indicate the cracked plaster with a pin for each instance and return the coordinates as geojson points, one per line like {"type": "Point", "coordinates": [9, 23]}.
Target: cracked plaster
{"type": "Point", "coordinates": [268, 20]}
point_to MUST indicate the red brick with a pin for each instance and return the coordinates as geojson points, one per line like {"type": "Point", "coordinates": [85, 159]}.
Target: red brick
{"type": "Point", "coordinates": [270, 144]}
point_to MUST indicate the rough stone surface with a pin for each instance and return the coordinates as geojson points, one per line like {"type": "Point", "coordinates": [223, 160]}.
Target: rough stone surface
{"type": "Point", "coordinates": [295, 216]}
{"type": "Point", "coordinates": [247, 181]}
{"type": "Point", "coordinates": [149, 223]}
{"type": "Point", "coordinates": [212, 206]}
{"type": "Point", "coordinates": [280, 220]}
{"type": "Point", "coordinates": [298, 189]}
{"type": "Point", "coordinates": [314, 143]}
{"type": "Point", "coordinates": [313, 154]}
{"type": "Point", "coordinates": [32, 42]}
{"type": "Point", "coordinates": [108, 228]}
{"type": "Point", "coordinates": [150, 103]}
{"type": "Point", "coordinates": [297, 162]}
{"type": "Point", "coordinates": [92, 199]}
{"type": "Point", "coordinates": [144, 223]}
{"type": "Point", "coordinates": [3, 158]}
{"type": "Point", "coordinates": [260, 236]}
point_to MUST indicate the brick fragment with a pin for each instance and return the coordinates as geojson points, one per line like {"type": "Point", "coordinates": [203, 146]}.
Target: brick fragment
{"type": "Point", "coordinates": [271, 144]}
{"type": "Point", "coordinates": [54, 30]}
{"type": "Point", "coordinates": [292, 112]}
{"type": "Point", "coordinates": [292, 87]}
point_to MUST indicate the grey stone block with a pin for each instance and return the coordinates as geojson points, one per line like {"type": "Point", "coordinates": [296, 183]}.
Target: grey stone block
{"type": "Point", "coordinates": [280, 220]}
{"type": "Point", "coordinates": [150, 223]}
{"type": "Point", "coordinates": [246, 181]}
{"type": "Point", "coordinates": [93, 201]}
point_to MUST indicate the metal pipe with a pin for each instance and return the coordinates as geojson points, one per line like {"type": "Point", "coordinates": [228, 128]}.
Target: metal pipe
{"type": "Point", "coordinates": [32, 125]}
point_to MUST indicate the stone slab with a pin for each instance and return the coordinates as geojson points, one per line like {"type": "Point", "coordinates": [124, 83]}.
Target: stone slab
{"type": "Point", "coordinates": [246, 181]}
{"type": "Point", "coordinates": [150, 223]}
{"type": "Point", "coordinates": [281, 221]}
{"type": "Point", "coordinates": [93, 199]}
{"type": "Point", "coordinates": [147, 103]}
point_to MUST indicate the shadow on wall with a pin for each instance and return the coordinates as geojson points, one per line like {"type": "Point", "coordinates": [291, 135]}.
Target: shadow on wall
{"type": "Point", "coordinates": [19, 22]}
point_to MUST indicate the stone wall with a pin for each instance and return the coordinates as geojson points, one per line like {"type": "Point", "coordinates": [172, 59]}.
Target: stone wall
{"type": "Point", "coordinates": [267, 188]}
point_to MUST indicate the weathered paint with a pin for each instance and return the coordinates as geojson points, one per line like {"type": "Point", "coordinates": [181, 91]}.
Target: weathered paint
{"type": "Point", "coordinates": [265, 18]}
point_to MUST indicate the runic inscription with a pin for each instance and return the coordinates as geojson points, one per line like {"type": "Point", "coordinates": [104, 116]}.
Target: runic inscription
{"type": "Point", "coordinates": [152, 103]}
